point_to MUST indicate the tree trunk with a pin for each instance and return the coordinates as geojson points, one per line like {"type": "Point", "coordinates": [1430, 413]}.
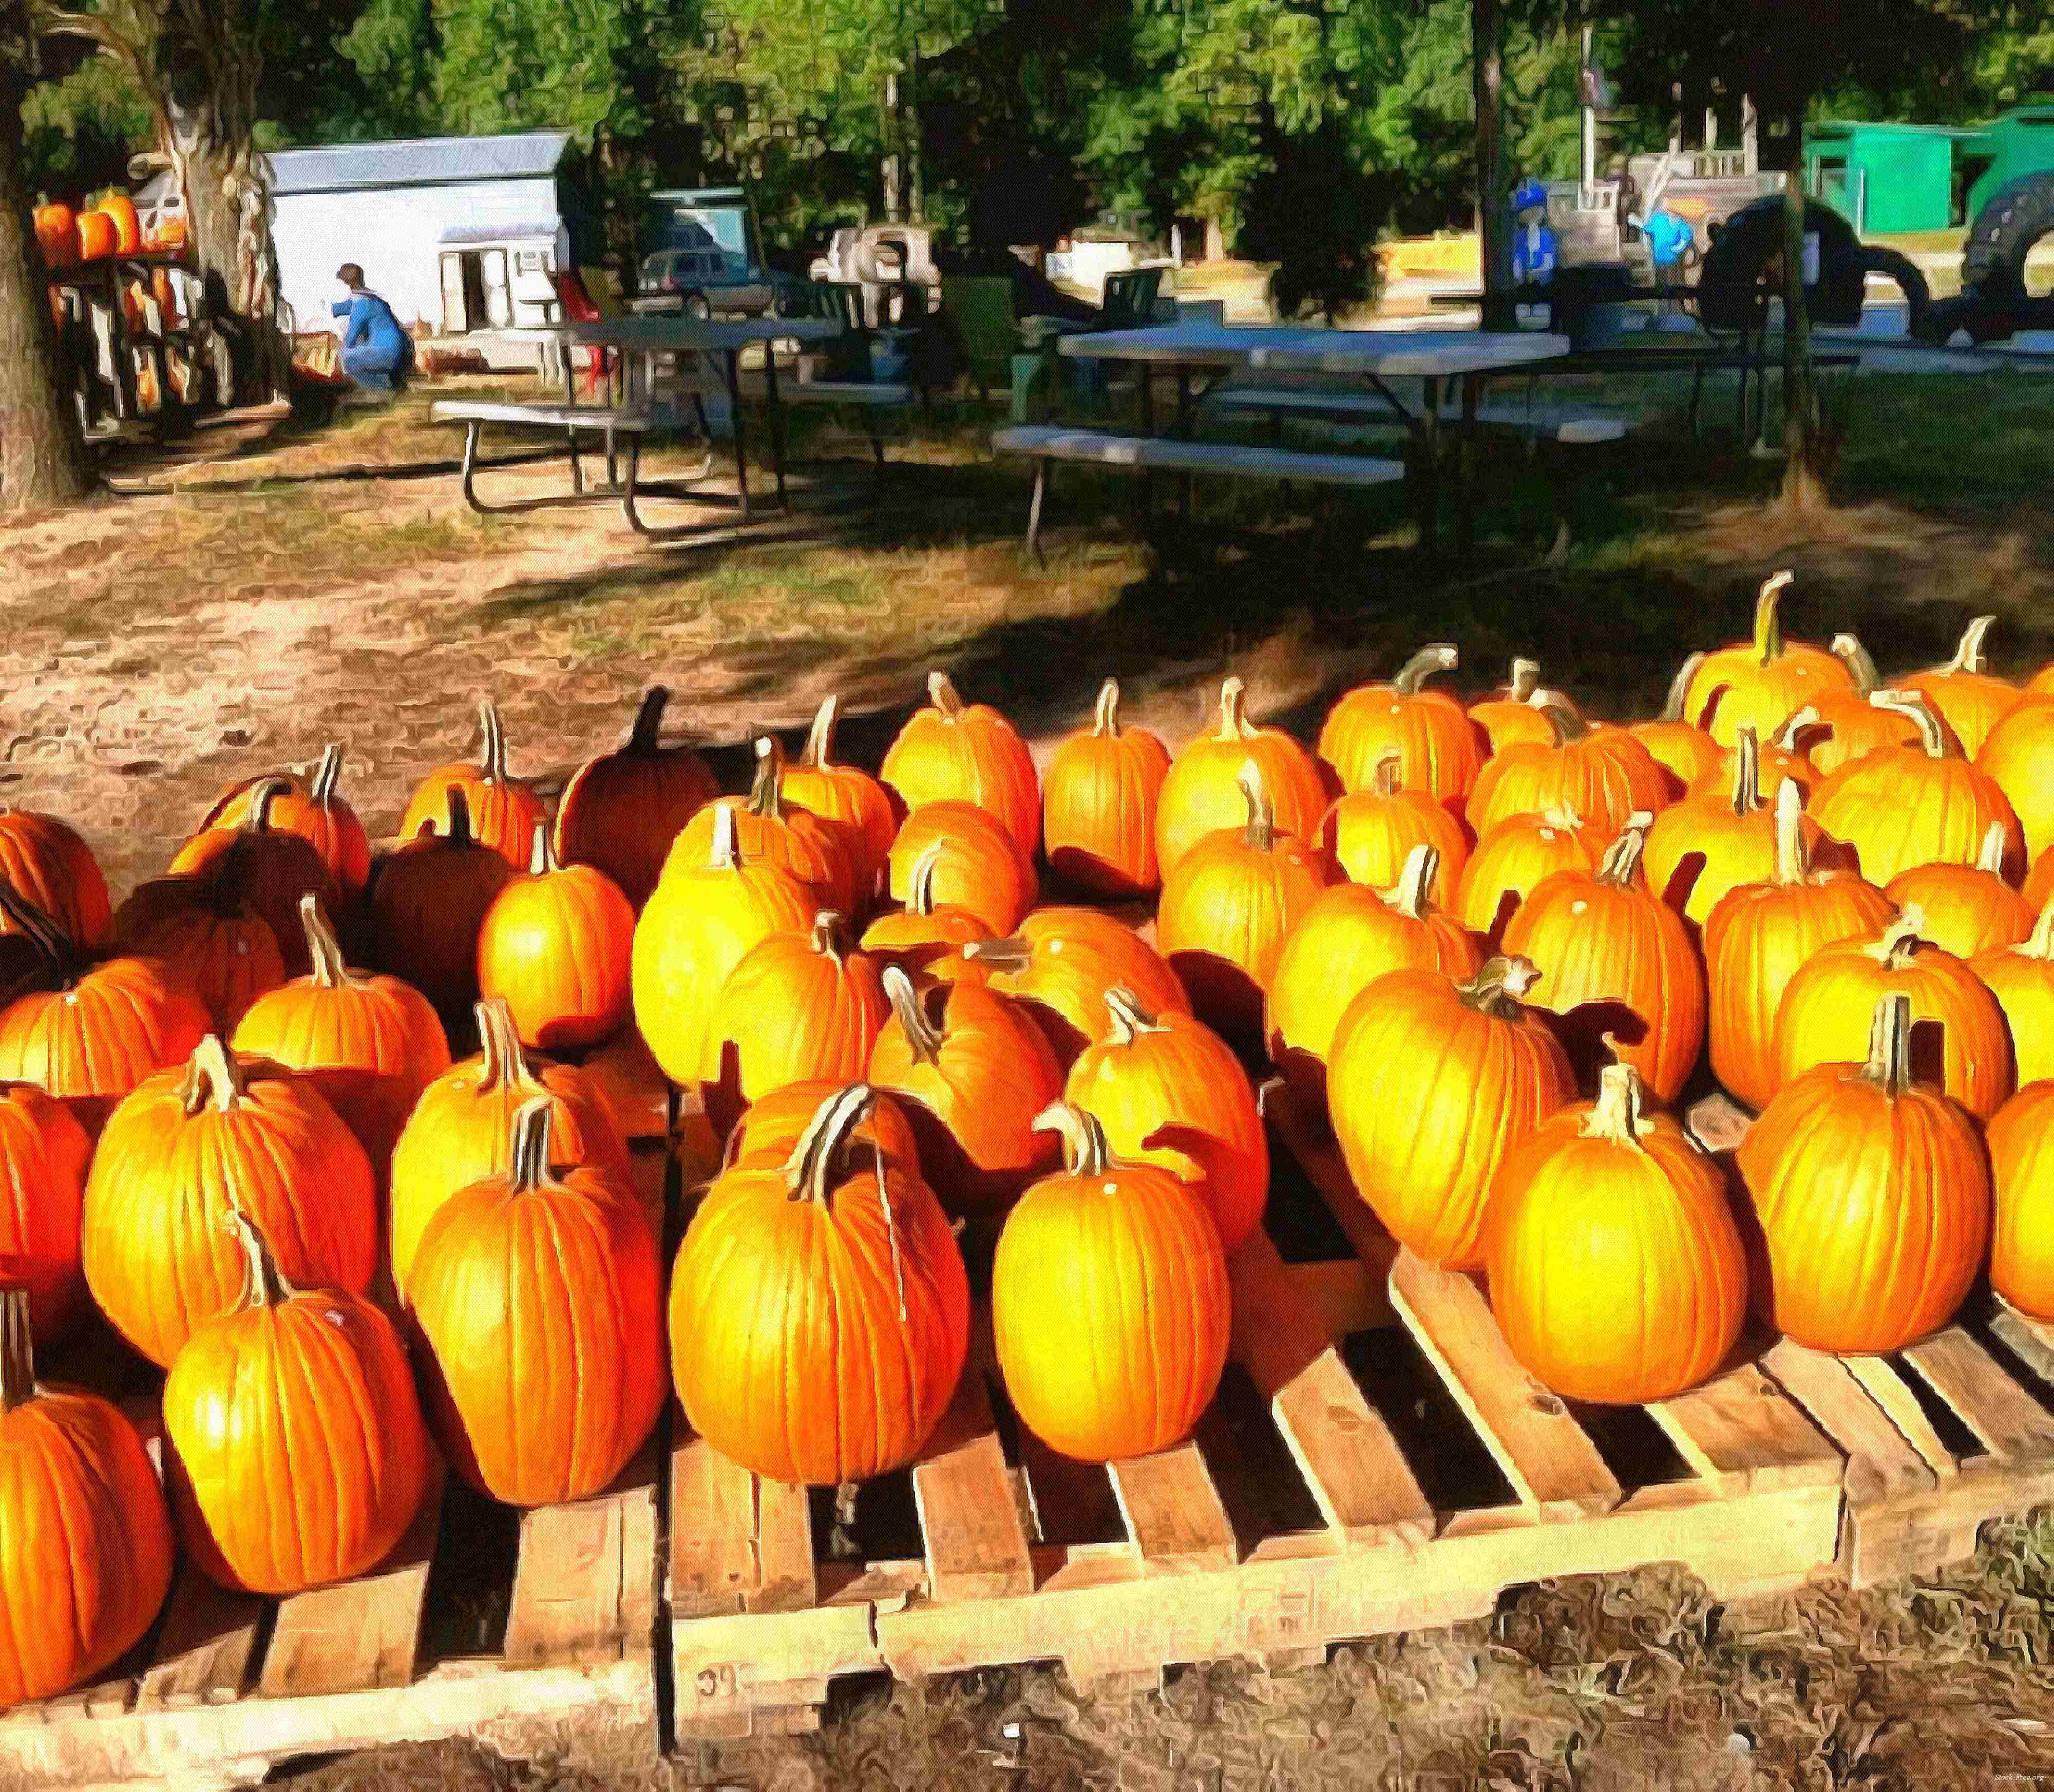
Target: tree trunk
{"type": "Point", "coordinates": [43, 459]}
{"type": "Point", "coordinates": [228, 207]}
{"type": "Point", "coordinates": [1804, 482]}
{"type": "Point", "coordinates": [1493, 214]}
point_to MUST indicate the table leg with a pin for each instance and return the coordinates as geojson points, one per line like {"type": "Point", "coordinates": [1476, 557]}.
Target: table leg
{"type": "Point", "coordinates": [775, 422]}
{"type": "Point", "coordinates": [1465, 473]}
{"type": "Point", "coordinates": [1429, 472]}
{"type": "Point", "coordinates": [731, 364]}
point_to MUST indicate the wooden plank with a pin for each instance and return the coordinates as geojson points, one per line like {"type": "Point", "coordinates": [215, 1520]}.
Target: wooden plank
{"type": "Point", "coordinates": [1742, 1436]}
{"type": "Point", "coordinates": [1173, 1510]}
{"type": "Point", "coordinates": [1554, 1469]}
{"type": "Point", "coordinates": [1881, 1464]}
{"type": "Point", "coordinates": [2031, 1340]}
{"type": "Point", "coordinates": [205, 1646]}
{"type": "Point", "coordinates": [1718, 1122]}
{"type": "Point", "coordinates": [582, 1582]}
{"type": "Point", "coordinates": [2006, 1420]}
{"type": "Point", "coordinates": [1307, 1137]}
{"type": "Point", "coordinates": [713, 1528]}
{"type": "Point", "coordinates": [1900, 1405]}
{"type": "Point", "coordinates": [784, 1550]}
{"type": "Point", "coordinates": [976, 1547]}
{"type": "Point", "coordinates": [360, 1636]}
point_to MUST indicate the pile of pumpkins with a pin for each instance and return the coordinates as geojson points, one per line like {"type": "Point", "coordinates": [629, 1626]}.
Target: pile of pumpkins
{"type": "Point", "coordinates": [1496, 940]}
{"type": "Point", "coordinates": [107, 228]}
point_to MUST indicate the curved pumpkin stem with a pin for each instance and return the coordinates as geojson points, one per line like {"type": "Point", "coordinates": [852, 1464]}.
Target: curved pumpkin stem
{"type": "Point", "coordinates": [1889, 1065]}
{"type": "Point", "coordinates": [1899, 939]}
{"type": "Point", "coordinates": [766, 793]}
{"type": "Point", "coordinates": [1130, 1019]}
{"type": "Point", "coordinates": [214, 1079]}
{"type": "Point", "coordinates": [1991, 858]}
{"type": "Point", "coordinates": [1849, 651]}
{"type": "Point", "coordinates": [1084, 1149]}
{"type": "Point", "coordinates": [819, 749]}
{"type": "Point", "coordinates": [43, 931]}
{"type": "Point", "coordinates": [806, 1170]}
{"type": "Point", "coordinates": [1443, 656]}
{"type": "Point", "coordinates": [724, 854]}
{"type": "Point", "coordinates": [828, 940]}
{"type": "Point", "coordinates": [1261, 832]}
{"type": "Point", "coordinates": [1747, 772]}
{"type": "Point", "coordinates": [1615, 1114]}
{"type": "Point", "coordinates": [505, 1065]}
{"type": "Point", "coordinates": [1622, 859]}
{"type": "Point", "coordinates": [1793, 857]}
{"type": "Point", "coordinates": [327, 784]}
{"type": "Point", "coordinates": [263, 1284]}
{"type": "Point", "coordinates": [323, 949]}
{"type": "Point", "coordinates": [2039, 942]}
{"type": "Point", "coordinates": [1679, 689]}
{"type": "Point", "coordinates": [942, 695]}
{"type": "Point", "coordinates": [1562, 716]}
{"type": "Point", "coordinates": [1105, 717]}
{"type": "Point", "coordinates": [256, 818]}
{"type": "Point", "coordinates": [1785, 739]}
{"type": "Point", "coordinates": [1969, 655]}
{"type": "Point", "coordinates": [1913, 705]}
{"type": "Point", "coordinates": [458, 832]}
{"type": "Point", "coordinates": [922, 1034]}
{"type": "Point", "coordinates": [645, 737]}
{"type": "Point", "coordinates": [1233, 722]}
{"type": "Point", "coordinates": [527, 1156]}
{"type": "Point", "coordinates": [1524, 681]}
{"type": "Point", "coordinates": [18, 1349]}
{"type": "Point", "coordinates": [1384, 779]}
{"type": "Point", "coordinates": [492, 756]}
{"type": "Point", "coordinates": [1500, 986]}
{"type": "Point", "coordinates": [1415, 878]}
{"type": "Point", "coordinates": [542, 860]}
{"type": "Point", "coordinates": [920, 883]}
{"type": "Point", "coordinates": [1769, 616]}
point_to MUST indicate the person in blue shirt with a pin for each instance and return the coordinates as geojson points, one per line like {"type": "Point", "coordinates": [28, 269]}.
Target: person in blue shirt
{"type": "Point", "coordinates": [376, 353]}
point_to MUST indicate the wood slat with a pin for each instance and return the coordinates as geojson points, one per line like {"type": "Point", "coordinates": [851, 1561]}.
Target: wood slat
{"type": "Point", "coordinates": [1741, 1436]}
{"type": "Point", "coordinates": [2006, 1420]}
{"type": "Point", "coordinates": [2031, 1340]}
{"type": "Point", "coordinates": [1173, 1510]}
{"type": "Point", "coordinates": [1554, 1468]}
{"type": "Point", "coordinates": [713, 1528]}
{"type": "Point", "coordinates": [1881, 1465]}
{"type": "Point", "coordinates": [975, 1544]}
{"type": "Point", "coordinates": [1309, 1139]}
{"type": "Point", "coordinates": [583, 1582]}
{"type": "Point", "coordinates": [1900, 1405]}
{"type": "Point", "coordinates": [784, 1550]}
{"type": "Point", "coordinates": [205, 1647]}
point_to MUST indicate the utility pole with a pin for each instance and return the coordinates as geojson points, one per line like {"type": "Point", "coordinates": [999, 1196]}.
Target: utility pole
{"type": "Point", "coordinates": [1493, 214]}
{"type": "Point", "coordinates": [1590, 170]}
{"type": "Point", "coordinates": [892, 140]}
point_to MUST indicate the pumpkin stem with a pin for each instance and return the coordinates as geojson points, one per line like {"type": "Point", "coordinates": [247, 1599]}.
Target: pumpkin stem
{"type": "Point", "coordinates": [942, 692]}
{"type": "Point", "coordinates": [1105, 718]}
{"type": "Point", "coordinates": [1385, 777]}
{"type": "Point", "coordinates": [645, 738]}
{"type": "Point", "coordinates": [1913, 705]}
{"type": "Point", "coordinates": [1234, 724]}
{"type": "Point", "coordinates": [264, 1283]}
{"type": "Point", "coordinates": [327, 775]}
{"type": "Point", "coordinates": [1621, 859]}
{"type": "Point", "coordinates": [528, 1157]}
{"type": "Point", "coordinates": [459, 817]}
{"type": "Point", "coordinates": [920, 884]}
{"type": "Point", "coordinates": [18, 1349]}
{"type": "Point", "coordinates": [1889, 1065]}
{"type": "Point", "coordinates": [1769, 617]}
{"type": "Point", "coordinates": [819, 749]}
{"type": "Point", "coordinates": [1500, 986]}
{"type": "Point", "coordinates": [492, 758]}
{"type": "Point", "coordinates": [726, 854]}
{"type": "Point", "coordinates": [43, 931]}
{"type": "Point", "coordinates": [1679, 688]}
{"type": "Point", "coordinates": [504, 1065]}
{"type": "Point", "coordinates": [1969, 656]}
{"type": "Point", "coordinates": [806, 1170]}
{"type": "Point", "coordinates": [1562, 816]}
{"type": "Point", "coordinates": [1793, 724]}
{"type": "Point", "coordinates": [1408, 896]}
{"type": "Point", "coordinates": [765, 793]}
{"type": "Point", "coordinates": [2039, 942]}
{"type": "Point", "coordinates": [829, 940]}
{"type": "Point", "coordinates": [1849, 651]}
{"type": "Point", "coordinates": [1899, 940]}
{"type": "Point", "coordinates": [1007, 957]}
{"type": "Point", "coordinates": [1562, 717]}
{"type": "Point", "coordinates": [542, 859]}
{"type": "Point", "coordinates": [921, 1033]}
{"type": "Point", "coordinates": [1615, 1114]}
{"type": "Point", "coordinates": [1441, 657]}
{"type": "Point", "coordinates": [213, 1077]}
{"type": "Point", "coordinates": [1525, 680]}
{"type": "Point", "coordinates": [1747, 772]}
{"type": "Point", "coordinates": [1130, 1019]}
{"type": "Point", "coordinates": [324, 950]}
{"type": "Point", "coordinates": [1261, 832]}
{"type": "Point", "coordinates": [1793, 857]}
{"type": "Point", "coordinates": [1085, 1150]}
{"type": "Point", "coordinates": [1991, 858]}
{"type": "Point", "coordinates": [256, 818]}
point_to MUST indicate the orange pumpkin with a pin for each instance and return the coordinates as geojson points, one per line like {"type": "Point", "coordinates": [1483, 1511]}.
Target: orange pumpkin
{"type": "Point", "coordinates": [621, 810]}
{"type": "Point", "coordinates": [538, 1295]}
{"type": "Point", "coordinates": [1762, 934]}
{"type": "Point", "coordinates": [1710, 843]}
{"type": "Point", "coordinates": [1228, 905]}
{"type": "Point", "coordinates": [1616, 1271]}
{"type": "Point", "coordinates": [1969, 699]}
{"type": "Point", "coordinates": [2021, 977]}
{"type": "Point", "coordinates": [1845, 726]}
{"type": "Point", "coordinates": [768, 830]}
{"type": "Point", "coordinates": [1060, 964]}
{"type": "Point", "coordinates": [503, 811]}
{"type": "Point", "coordinates": [789, 1275]}
{"type": "Point", "coordinates": [429, 904]}
{"type": "Point", "coordinates": [1681, 748]}
{"type": "Point", "coordinates": [1200, 796]}
{"type": "Point", "coordinates": [703, 918]}
{"type": "Point", "coordinates": [461, 1130]}
{"type": "Point", "coordinates": [1439, 749]}
{"type": "Point", "coordinates": [770, 1128]}
{"type": "Point", "coordinates": [1110, 1307]}
{"type": "Point", "coordinates": [315, 811]}
{"type": "Point", "coordinates": [301, 1458]}
{"type": "Point", "coordinates": [1168, 1091]}
{"type": "Point", "coordinates": [1617, 964]}
{"type": "Point", "coordinates": [1756, 683]}
{"type": "Point", "coordinates": [186, 1148]}
{"type": "Point", "coordinates": [370, 1044]}
{"type": "Point", "coordinates": [2018, 755]}
{"type": "Point", "coordinates": [1098, 804]}
{"type": "Point", "coordinates": [2022, 1264]}
{"type": "Point", "coordinates": [1509, 716]}
{"type": "Point", "coordinates": [1778, 757]}
{"type": "Point", "coordinates": [128, 229]}
{"type": "Point", "coordinates": [971, 1070]}
{"type": "Point", "coordinates": [1348, 938]}
{"type": "Point", "coordinates": [1873, 1196]}
{"type": "Point", "coordinates": [264, 865]}
{"type": "Point", "coordinates": [49, 864]}
{"type": "Point", "coordinates": [2040, 882]}
{"type": "Point", "coordinates": [43, 1157]}
{"type": "Point", "coordinates": [1898, 806]}
{"type": "Point", "coordinates": [1371, 832]}
{"type": "Point", "coordinates": [97, 236]}
{"type": "Point", "coordinates": [844, 797]}
{"type": "Point", "coordinates": [1968, 909]}
{"type": "Point", "coordinates": [979, 867]}
{"type": "Point", "coordinates": [1432, 1083]}
{"type": "Point", "coordinates": [57, 235]}
{"type": "Point", "coordinates": [951, 751]}
{"type": "Point", "coordinates": [89, 1553]}
{"type": "Point", "coordinates": [209, 941]}
{"type": "Point", "coordinates": [1514, 856]}
{"type": "Point", "coordinates": [556, 946]}
{"type": "Point", "coordinates": [925, 936]}
{"type": "Point", "coordinates": [1829, 1006]}
{"type": "Point", "coordinates": [1603, 774]}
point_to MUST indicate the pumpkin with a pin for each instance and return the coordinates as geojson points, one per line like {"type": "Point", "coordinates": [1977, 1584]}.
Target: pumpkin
{"type": "Point", "coordinates": [1898, 806]}
{"type": "Point", "coordinates": [429, 904]}
{"type": "Point", "coordinates": [1761, 935]}
{"type": "Point", "coordinates": [925, 936]}
{"type": "Point", "coordinates": [1371, 832]}
{"type": "Point", "coordinates": [461, 1130]}
{"type": "Point", "coordinates": [1608, 946]}
{"type": "Point", "coordinates": [1098, 804]}
{"type": "Point", "coordinates": [1827, 1006]}
{"type": "Point", "coordinates": [979, 866]}
{"type": "Point", "coordinates": [1778, 759]}
{"type": "Point", "coordinates": [1616, 1271]}
{"type": "Point", "coordinates": [1439, 749]}
{"type": "Point", "coordinates": [44, 1152]}
{"type": "Point", "coordinates": [127, 229]}
{"type": "Point", "coordinates": [697, 926]}
{"type": "Point", "coordinates": [1228, 905]}
{"type": "Point", "coordinates": [316, 812]}
{"type": "Point", "coordinates": [503, 811]}
{"type": "Point", "coordinates": [770, 1128]}
{"type": "Point", "coordinates": [2021, 1263]}
{"type": "Point", "coordinates": [843, 796]}
{"type": "Point", "coordinates": [188, 1146]}
{"type": "Point", "coordinates": [57, 235]}
{"type": "Point", "coordinates": [952, 751]}
{"type": "Point", "coordinates": [1603, 774]}
{"type": "Point", "coordinates": [2021, 977]}
{"type": "Point", "coordinates": [770, 831]}
{"type": "Point", "coordinates": [538, 1295]}
{"type": "Point", "coordinates": [621, 810]}
{"type": "Point", "coordinates": [97, 236]}
{"type": "Point", "coordinates": [1756, 683]}
{"type": "Point", "coordinates": [1711, 842]}
{"type": "Point", "coordinates": [2018, 755]}
{"type": "Point", "coordinates": [1432, 1083]}
{"type": "Point", "coordinates": [1845, 726]}
{"type": "Point", "coordinates": [556, 946]}
{"type": "Point", "coordinates": [1970, 909]}
{"type": "Point", "coordinates": [971, 1070]}
{"type": "Point", "coordinates": [1200, 794]}
{"type": "Point", "coordinates": [1507, 717]}
{"type": "Point", "coordinates": [790, 1275]}
{"type": "Point", "coordinates": [49, 864]}
{"type": "Point", "coordinates": [1060, 964]}
{"type": "Point", "coordinates": [1681, 748]}
{"type": "Point", "coordinates": [1344, 942]}
{"type": "Point", "coordinates": [2040, 882]}
{"type": "Point", "coordinates": [1873, 1194]}
{"type": "Point", "coordinates": [299, 1456]}
{"type": "Point", "coordinates": [370, 1044]}
{"type": "Point", "coordinates": [209, 941]}
{"type": "Point", "coordinates": [1168, 1091]}
{"type": "Point", "coordinates": [89, 1550]}
{"type": "Point", "coordinates": [796, 1008]}
{"type": "Point", "coordinates": [1515, 855]}
{"type": "Point", "coordinates": [1110, 1309]}
{"type": "Point", "coordinates": [1969, 699]}
{"type": "Point", "coordinates": [88, 1033]}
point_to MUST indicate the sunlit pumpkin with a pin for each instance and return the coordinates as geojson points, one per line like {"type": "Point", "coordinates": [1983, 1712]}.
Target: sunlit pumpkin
{"type": "Point", "coordinates": [1059, 965]}
{"type": "Point", "coordinates": [1098, 804]}
{"type": "Point", "coordinates": [1110, 1307]}
{"type": "Point", "coordinates": [1515, 855]}
{"type": "Point", "coordinates": [2040, 882]}
{"type": "Point", "coordinates": [1873, 1194]}
{"type": "Point", "coordinates": [51, 865]}
{"type": "Point", "coordinates": [1711, 842]}
{"type": "Point", "coordinates": [1509, 716]}
{"type": "Point", "coordinates": [44, 1152]}
{"type": "Point", "coordinates": [1439, 747]}
{"type": "Point", "coordinates": [621, 810]}
{"type": "Point", "coordinates": [953, 752]}
{"type": "Point", "coordinates": [1681, 748]}
{"type": "Point", "coordinates": [316, 811]}
{"type": "Point", "coordinates": [1201, 793]}
{"type": "Point", "coordinates": [1845, 726]}
{"type": "Point", "coordinates": [847, 796]}
{"type": "Point", "coordinates": [263, 864]}
{"type": "Point", "coordinates": [503, 811]}
{"type": "Point", "coordinates": [1970, 909]}
{"type": "Point", "coordinates": [1370, 833]}
{"type": "Point", "coordinates": [770, 1128]}
{"type": "Point", "coordinates": [926, 937]}
{"type": "Point", "coordinates": [556, 945]}
{"type": "Point", "coordinates": [1603, 774]}
{"type": "Point", "coordinates": [1969, 696]}
{"type": "Point", "coordinates": [2020, 1141]}
{"type": "Point", "coordinates": [429, 903]}
{"type": "Point", "coordinates": [2020, 756]}
{"type": "Point", "coordinates": [979, 866]}
{"type": "Point", "coordinates": [57, 235]}
{"type": "Point", "coordinates": [2021, 977]}
{"type": "Point", "coordinates": [1432, 1082]}
{"type": "Point", "coordinates": [770, 831]}
{"type": "Point", "coordinates": [1756, 683]}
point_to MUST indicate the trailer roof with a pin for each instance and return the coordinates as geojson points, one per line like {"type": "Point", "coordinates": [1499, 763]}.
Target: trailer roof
{"type": "Point", "coordinates": [418, 162]}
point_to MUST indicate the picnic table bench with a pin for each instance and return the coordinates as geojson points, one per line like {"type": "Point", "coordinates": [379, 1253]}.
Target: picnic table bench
{"type": "Point", "coordinates": [1565, 424]}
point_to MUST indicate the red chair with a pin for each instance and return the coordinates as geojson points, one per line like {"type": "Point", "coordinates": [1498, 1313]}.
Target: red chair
{"type": "Point", "coordinates": [578, 306]}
